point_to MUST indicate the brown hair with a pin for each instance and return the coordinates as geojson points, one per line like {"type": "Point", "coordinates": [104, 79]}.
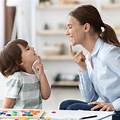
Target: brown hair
{"type": "Point", "coordinates": [89, 14]}
{"type": "Point", "coordinates": [10, 57]}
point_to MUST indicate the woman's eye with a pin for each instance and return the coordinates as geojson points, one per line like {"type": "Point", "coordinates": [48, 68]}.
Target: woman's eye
{"type": "Point", "coordinates": [70, 27]}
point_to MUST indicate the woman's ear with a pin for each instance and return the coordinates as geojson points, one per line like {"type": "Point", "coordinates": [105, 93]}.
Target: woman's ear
{"type": "Point", "coordinates": [86, 27]}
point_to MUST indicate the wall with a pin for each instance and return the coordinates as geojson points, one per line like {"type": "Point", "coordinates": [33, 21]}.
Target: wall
{"type": "Point", "coordinates": [2, 82]}
{"type": "Point", "coordinates": [1, 24]}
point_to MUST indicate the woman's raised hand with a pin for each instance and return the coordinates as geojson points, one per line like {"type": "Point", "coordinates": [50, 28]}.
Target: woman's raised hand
{"type": "Point", "coordinates": [78, 58]}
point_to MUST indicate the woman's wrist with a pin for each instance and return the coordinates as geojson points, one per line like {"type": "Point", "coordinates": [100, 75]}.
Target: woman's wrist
{"type": "Point", "coordinates": [83, 69]}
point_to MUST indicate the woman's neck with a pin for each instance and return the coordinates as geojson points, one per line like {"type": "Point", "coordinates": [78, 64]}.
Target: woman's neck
{"type": "Point", "coordinates": [90, 42]}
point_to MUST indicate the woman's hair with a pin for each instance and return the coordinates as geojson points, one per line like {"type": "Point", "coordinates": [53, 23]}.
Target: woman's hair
{"type": "Point", "coordinates": [89, 14]}
{"type": "Point", "coordinates": [10, 57]}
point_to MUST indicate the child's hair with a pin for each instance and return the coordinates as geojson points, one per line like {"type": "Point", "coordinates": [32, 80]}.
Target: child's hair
{"type": "Point", "coordinates": [10, 57]}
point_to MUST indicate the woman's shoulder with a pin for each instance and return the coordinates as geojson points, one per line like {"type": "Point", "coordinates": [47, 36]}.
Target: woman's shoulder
{"type": "Point", "coordinates": [108, 51]}
{"type": "Point", "coordinates": [110, 48]}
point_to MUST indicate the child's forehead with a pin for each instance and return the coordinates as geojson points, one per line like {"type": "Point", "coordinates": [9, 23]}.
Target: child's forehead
{"type": "Point", "coordinates": [22, 46]}
{"type": "Point", "coordinates": [22, 43]}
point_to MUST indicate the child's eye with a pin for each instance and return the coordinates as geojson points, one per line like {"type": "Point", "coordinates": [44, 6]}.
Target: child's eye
{"type": "Point", "coordinates": [27, 48]}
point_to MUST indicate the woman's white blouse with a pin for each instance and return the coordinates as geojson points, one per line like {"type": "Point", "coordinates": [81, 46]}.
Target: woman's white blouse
{"type": "Point", "coordinates": [102, 79]}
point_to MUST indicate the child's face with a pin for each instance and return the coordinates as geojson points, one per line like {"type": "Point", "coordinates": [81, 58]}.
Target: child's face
{"type": "Point", "coordinates": [28, 56]}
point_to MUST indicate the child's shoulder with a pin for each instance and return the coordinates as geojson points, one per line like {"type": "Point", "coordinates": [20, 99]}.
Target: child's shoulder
{"type": "Point", "coordinates": [22, 77]}
{"type": "Point", "coordinates": [14, 79]}
{"type": "Point", "coordinates": [16, 76]}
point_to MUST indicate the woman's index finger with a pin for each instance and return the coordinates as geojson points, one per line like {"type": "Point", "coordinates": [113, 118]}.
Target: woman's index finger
{"type": "Point", "coordinates": [71, 51]}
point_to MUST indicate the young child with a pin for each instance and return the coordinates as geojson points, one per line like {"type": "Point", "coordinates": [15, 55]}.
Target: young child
{"type": "Point", "coordinates": [26, 83]}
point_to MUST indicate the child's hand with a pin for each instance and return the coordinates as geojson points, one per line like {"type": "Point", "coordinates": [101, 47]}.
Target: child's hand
{"type": "Point", "coordinates": [38, 66]}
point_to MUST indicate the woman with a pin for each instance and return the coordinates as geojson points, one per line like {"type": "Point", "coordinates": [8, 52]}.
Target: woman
{"type": "Point", "coordinates": [99, 72]}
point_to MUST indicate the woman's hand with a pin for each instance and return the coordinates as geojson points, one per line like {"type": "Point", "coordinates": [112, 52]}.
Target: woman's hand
{"type": "Point", "coordinates": [78, 58]}
{"type": "Point", "coordinates": [102, 106]}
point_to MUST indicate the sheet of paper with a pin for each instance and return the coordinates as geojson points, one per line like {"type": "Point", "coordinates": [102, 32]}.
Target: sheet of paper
{"type": "Point", "coordinates": [76, 115]}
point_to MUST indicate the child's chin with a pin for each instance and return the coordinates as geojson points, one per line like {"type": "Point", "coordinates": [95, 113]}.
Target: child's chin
{"type": "Point", "coordinates": [73, 44]}
{"type": "Point", "coordinates": [36, 57]}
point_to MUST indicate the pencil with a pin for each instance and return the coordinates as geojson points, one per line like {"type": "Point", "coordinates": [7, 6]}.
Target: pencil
{"type": "Point", "coordinates": [92, 116]}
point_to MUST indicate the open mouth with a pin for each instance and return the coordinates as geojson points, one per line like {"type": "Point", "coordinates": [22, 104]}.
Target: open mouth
{"type": "Point", "coordinates": [35, 54]}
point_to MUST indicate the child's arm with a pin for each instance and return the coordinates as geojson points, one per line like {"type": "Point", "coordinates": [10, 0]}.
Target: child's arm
{"type": "Point", "coordinates": [44, 85]}
{"type": "Point", "coordinates": [8, 102]}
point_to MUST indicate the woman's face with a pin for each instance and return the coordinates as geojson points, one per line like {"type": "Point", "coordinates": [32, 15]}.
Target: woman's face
{"type": "Point", "coordinates": [75, 31]}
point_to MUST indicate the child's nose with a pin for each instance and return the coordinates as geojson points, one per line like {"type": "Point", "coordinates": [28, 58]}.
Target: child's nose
{"type": "Point", "coordinates": [32, 48]}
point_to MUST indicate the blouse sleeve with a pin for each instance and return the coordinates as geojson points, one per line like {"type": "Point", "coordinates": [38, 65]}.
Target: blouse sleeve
{"type": "Point", "coordinates": [86, 87]}
{"type": "Point", "coordinates": [113, 62]}
{"type": "Point", "coordinates": [13, 87]}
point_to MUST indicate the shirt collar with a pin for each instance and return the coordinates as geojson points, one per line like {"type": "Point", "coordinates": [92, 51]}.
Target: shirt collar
{"type": "Point", "coordinates": [97, 47]}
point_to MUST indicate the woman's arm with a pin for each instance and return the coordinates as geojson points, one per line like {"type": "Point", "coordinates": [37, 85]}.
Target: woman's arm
{"type": "Point", "coordinates": [112, 60]}
{"type": "Point", "coordinates": [87, 88]}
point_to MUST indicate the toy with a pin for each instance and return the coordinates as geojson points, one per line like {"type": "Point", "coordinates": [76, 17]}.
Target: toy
{"type": "Point", "coordinates": [24, 114]}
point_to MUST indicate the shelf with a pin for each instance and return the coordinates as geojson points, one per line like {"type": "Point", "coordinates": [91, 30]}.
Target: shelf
{"type": "Point", "coordinates": [51, 32]}
{"type": "Point", "coordinates": [111, 6]}
{"type": "Point", "coordinates": [57, 6]}
{"type": "Point", "coordinates": [56, 57]}
{"type": "Point", "coordinates": [62, 32]}
{"type": "Point", "coordinates": [65, 84]}
{"type": "Point", "coordinates": [72, 6]}
{"type": "Point", "coordinates": [117, 31]}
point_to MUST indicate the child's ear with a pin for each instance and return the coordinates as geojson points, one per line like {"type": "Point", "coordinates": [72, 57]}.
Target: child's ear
{"type": "Point", "coordinates": [21, 63]}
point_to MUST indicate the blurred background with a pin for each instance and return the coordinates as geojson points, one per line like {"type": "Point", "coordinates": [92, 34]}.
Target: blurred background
{"type": "Point", "coordinates": [43, 24]}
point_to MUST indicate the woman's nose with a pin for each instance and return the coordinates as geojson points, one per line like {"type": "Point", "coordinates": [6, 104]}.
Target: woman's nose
{"type": "Point", "coordinates": [66, 32]}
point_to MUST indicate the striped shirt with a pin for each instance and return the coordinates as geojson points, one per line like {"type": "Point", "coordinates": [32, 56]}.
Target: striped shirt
{"type": "Point", "coordinates": [25, 89]}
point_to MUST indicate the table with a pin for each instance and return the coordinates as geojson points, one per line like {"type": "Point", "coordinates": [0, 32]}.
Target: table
{"type": "Point", "coordinates": [76, 115]}
{"type": "Point", "coordinates": [36, 114]}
